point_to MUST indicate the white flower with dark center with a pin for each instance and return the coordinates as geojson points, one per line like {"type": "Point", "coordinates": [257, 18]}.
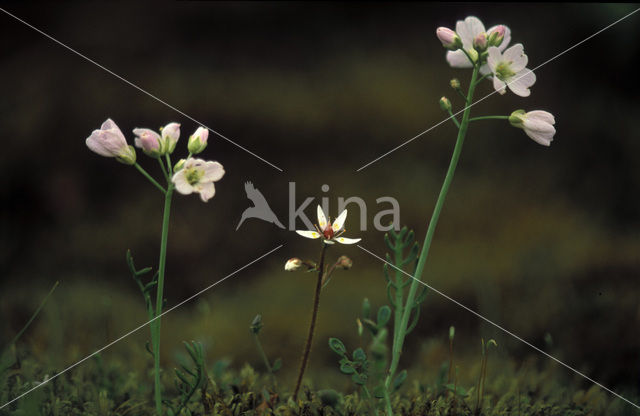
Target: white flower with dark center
{"type": "Point", "coordinates": [197, 175]}
{"type": "Point", "coordinates": [329, 232]}
{"type": "Point", "coordinates": [537, 124]}
{"type": "Point", "coordinates": [508, 69]}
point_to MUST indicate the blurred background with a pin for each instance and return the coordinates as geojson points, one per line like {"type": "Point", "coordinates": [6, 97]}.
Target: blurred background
{"type": "Point", "coordinates": [543, 241]}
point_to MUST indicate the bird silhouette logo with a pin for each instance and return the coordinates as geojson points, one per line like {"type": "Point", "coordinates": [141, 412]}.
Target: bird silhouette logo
{"type": "Point", "coordinates": [260, 208]}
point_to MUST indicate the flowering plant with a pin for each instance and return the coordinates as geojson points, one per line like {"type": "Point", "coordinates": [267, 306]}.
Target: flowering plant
{"type": "Point", "coordinates": [187, 176]}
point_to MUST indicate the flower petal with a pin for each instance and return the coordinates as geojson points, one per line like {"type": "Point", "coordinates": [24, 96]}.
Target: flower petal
{"type": "Point", "coordinates": [213, 171]}
{"type": "Point", "coordinates": [499, 85]}
{"type": "Point", "coordinates": [308, 234]}
{"type": "Point", "coordinates": [338, 223]}
{"type": "Point", "coordinates": [513, 52]}
{"type": "Point", "coordinates": [521, 82]}
{"type": "Point", "coordinates": [322, 220]}
{"type": "Point", "coordinates": [207, 191]}
{"type": "Point", "coordinates": [182, 184]}
{"type": "Point", "coordinates": [344, 240]}
{"type": "Point", "coordinates": [540, 115]}
{"type": "Point", "coordinates": [469, 29]}
{"type": "Point", "coordinates": [493, 58]}
{"type": "Point", "coordinates": [457, 59]}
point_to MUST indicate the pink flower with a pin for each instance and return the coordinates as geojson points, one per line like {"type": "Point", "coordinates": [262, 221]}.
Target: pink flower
{"type": "Point", "coordinates": [149, 141]}
{"type": "Point", "coordinates": [110, 142]}
{"type": "Point", "coordinates": [449, 38]}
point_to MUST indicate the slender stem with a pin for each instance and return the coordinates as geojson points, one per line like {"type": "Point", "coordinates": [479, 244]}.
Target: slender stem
{"type": "Point", "coordinates": [431, 230]}
{"type": "Point", "coordinates": [164, 170]}
{"type": "Point", "coordinates": [462, 95]}
{"type": "Point", "coordinates": [169, 165]}
{"type": "Point", "coordinates": [489, 118]}
{"type": "Point", "coordinates": [312, 325]}
{"type": "Point", "coordinates": [153, 181]}
{"type": "Point", "coordinates": [37, 311]}
{"type": "Point", "coordinates": [265, 359]}
{"type": "Point", "coordinates": [453, 118]}
{"type": "Point", "coordinates": [159, 297]}
{"type": "Point", "coordinates": [482, 78]}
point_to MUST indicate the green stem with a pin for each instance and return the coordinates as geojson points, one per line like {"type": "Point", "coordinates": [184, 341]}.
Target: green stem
{"type": "Point", "coordinates": [155, 326]}
{"type": "Point", "coordinates": [265, 359]}
{"type": "Point", "coordinates": [430, 232]}
{"type": "Point", "coordinates": [153, 181]}
{"type": "Point", "coordinates": [37, 311]}
{"type": "Point", "coordinates": [169, 165]}
{"type": "Point", "coordinates": [312, 325]}
{"type": "Point", "coordinates": [453, 118]}
{"type": "Point", "coordinates": [489, 118]}
{"type": "Point", "coordinates": [482, 78]}
{"type": "Point", "coordinates": [164, 170]}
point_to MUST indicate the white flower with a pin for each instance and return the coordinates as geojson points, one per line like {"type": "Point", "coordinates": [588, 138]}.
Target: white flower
{"type": "Point", "coordinates": [468, 30]}
{"type": "Point", "coordinates": [110, 142]}
{"type": "Point", "coordinates": [537, 124]}
{"type": "Point", "coordinates": [329, 232]}
{"type": "Point", "coordinates": [508, 69]}
{"type": "Point", "coordinates": [198, 176]}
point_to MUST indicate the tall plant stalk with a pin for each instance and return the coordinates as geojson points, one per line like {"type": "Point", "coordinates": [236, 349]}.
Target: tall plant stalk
{"type": "Point", "coordinates": [312, 325]}
{"type": "Point", "coordinates": [400, 331]}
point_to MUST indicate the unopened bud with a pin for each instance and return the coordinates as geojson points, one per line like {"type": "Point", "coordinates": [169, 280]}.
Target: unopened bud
{"type": "Point", "coordinates": [449, 38]}
{"type": "Point", "coordinates": [496, 35]}
{"type": "Point", "coordinates": [256, 324]}
{"type": "Point", "coordinates": [452, 332]}
{"type": "Point", "coordinates": [179, 165]}
{"type": "Point", "coordinates": [293, 264]}
{"type": "Point", "coordinates": [344, 262]}
{"type": "Point", "coordinates": [455, 83]}
{"type": "Point", "coordinates": [198, 140]}
{"type": "Point", "coordinates": [445, 104]}
{"type": "Point", "coordinates": [170, 136]}
{"type": "Point", "coordinates": [480, 41]}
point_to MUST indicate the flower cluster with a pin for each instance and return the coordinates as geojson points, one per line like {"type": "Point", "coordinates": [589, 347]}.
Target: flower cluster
{"type": "Point", "coordinates": [488, 50]}
{"type": "Point", "coordinates": [188, 176]}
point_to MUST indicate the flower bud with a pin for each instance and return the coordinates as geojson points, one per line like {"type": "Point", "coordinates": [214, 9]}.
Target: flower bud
{"type": "Point", "coordinates": [293, 264]}
{"type": "Point", "coordinates": [256, 324]}
{"type": "Point", "coordinates": [455, 83]}
{"type": "Point", "coordinates": [170, 136]}
{"type": "Point", "coordinates": [128, 156]}
{"type": "Point", "coordinates": [344, 262]}
{"type": "Point", "coordinates": [473, 54]}
{"type": "Point", "coordinates": [149, 141]}
{"type": "Point", "coordinates": [496, 36]}
{"type": "Point", "coordinates": [452, 332]}
{"type": "Point", "coordinates": [480, 41]}
{"type": "Point", "coordinates": [179, 165]}
{"type": "Point", "coordinates": [198, 140]}
{"type": "Point", "coordinates": [449, 38]}
{"type": "Point", "coordinates": [445, 104]}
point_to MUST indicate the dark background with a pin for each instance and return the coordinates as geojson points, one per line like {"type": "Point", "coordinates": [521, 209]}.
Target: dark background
{"type": "Point", "coordinates": [540, 240]}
